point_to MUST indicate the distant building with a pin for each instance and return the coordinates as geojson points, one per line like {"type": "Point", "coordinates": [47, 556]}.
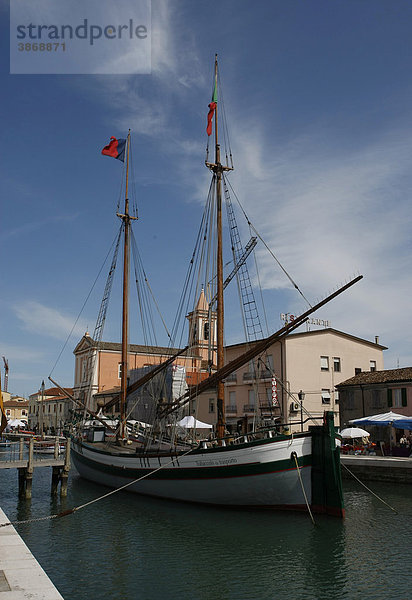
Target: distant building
{"type": "Point", "coordinates": [49, 411]}
{"type": "Point", "coordinates": [15, 407]}
{"type": "Point", "coordinates": [378, 392]}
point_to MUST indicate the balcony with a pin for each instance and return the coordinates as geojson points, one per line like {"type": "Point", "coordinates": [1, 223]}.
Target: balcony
{"type": "Point", "coordinates": [231, 378]}
{"type": "Point", "coordinates": [249, 408]}
{"type": "Point", "coordinates": [231, 408]}
{"type": "Point", "coordinates": [249, 376]}
{"type": "Point", "coordinates": [265, 408]}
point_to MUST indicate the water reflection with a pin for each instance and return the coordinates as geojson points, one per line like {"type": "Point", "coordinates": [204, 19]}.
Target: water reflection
{"type": "Point", "coordinates": [128, 546]}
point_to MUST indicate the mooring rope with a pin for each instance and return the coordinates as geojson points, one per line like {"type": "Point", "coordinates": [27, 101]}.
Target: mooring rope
{"type": "Point", "coordinates": [369, 490]}
{"type": "Point", "coordinates": [70, 511]}
{"type": "Point", "coordinates": [295, 456]}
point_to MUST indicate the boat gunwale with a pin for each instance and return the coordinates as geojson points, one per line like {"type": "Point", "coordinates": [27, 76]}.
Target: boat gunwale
{"type": "Point", "coordinates": [195, 451]}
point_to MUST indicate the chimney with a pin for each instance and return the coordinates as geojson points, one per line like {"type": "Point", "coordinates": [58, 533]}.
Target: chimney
{"type": "Point", "coordinates": [376, 339]}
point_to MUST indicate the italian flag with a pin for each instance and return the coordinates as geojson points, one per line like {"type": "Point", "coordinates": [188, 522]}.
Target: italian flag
{"type": "Point", "coordinates": [212, 108]}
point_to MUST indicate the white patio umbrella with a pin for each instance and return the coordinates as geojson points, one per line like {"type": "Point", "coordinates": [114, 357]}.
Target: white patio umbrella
{"type": "Point", "coordinates": [354, 432]}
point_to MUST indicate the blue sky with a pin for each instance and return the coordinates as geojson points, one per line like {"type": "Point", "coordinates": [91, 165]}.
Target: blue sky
{"type": "Point", "coordinates": [318, 100]}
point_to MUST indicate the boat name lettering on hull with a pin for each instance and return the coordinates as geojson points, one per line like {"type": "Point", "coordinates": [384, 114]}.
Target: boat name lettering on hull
{"type": "Point", "coordinates": [216, 463]}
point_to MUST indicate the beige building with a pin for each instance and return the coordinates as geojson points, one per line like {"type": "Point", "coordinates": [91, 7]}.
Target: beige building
{"type": "Point", "coordinates": [311, 362]}
{"type": "Point", "coordinates": [15, 407]}
{"type": "Point", "coordinates": [49, 410]}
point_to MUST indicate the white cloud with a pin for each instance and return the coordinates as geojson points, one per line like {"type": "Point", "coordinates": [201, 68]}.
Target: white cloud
{"type": "Point", "coordinates": [21, 353]}
{"type": "Point", "coordinates": [40, 319]}
{"type": "Point", "coordinates": [329, 213]}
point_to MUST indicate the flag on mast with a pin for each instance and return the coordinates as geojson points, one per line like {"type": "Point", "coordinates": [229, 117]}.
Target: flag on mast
{"type": "Point", "coordinates": [212, 108]}
{"type": "Point", "coordinates": [115, 148]}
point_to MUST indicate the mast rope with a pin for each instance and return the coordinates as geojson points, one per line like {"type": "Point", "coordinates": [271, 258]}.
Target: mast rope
{"type": "Point", "coordinates": [70, 511]}
{"type": "Point", "coordinates": [369, 490]}
{"type": "Point", "coordinates": [84, 305]}
{"type": "Point", "coordinates": [295, 285]}
{"type": "Point", "coordinates": [295, 456]}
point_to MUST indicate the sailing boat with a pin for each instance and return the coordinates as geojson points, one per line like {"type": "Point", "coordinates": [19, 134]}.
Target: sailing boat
{"type": "Point", "coordinates": [264, 468]}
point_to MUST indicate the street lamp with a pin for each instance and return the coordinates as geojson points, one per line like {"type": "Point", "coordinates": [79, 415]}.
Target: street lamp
{"type": "Point", "coordinates": [301, 396]}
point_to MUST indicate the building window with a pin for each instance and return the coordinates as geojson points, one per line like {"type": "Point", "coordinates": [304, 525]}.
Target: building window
{"type": "Point", "coordinates": [211, 405]}
{"type": "Point", "coordinates": [397, 398]}
{"type": "Point", "coordinates": [357, 370]}
{"type": "Point", "coordinates": [324, 363]}
{"type": "Point", "coordinates": [206, 331]}
{"type": "Point", "coordinates": [232, 398]}
{"type": "Point", "coordinates": [119, 370]}
{"type": "Point", "coordinates": [23, 413]}
{"type": "Point", "coordinates": [325, 396]}
{"type": "Point", "coordinates": [336, 397]}
{"type": "Point", "coordinates": [269, 362]}
{"type": "Point", "coordinates": [252, 367]}
{"type": "Point", "coordinates": [372, 365]}
{"type": "Point", "coordinates": [251, 397]}
{"type": "Point", "coordinates": [336, 364]}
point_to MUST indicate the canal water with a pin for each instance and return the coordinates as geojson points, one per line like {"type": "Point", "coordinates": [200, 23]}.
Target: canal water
{"type": "Point", "coordinates": [130, 547]}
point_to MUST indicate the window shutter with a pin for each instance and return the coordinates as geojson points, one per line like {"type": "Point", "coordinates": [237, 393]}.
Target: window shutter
{"type": "Point", "coordinates": [404, 399]}
{"type": "Point", "coordinates": [390, 398]}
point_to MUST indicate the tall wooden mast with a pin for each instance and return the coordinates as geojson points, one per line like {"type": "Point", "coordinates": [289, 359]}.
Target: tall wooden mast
{"type": "Point", "coordinates": [217, 168]}
{"type": "Point", "coordinates": [126, 218]}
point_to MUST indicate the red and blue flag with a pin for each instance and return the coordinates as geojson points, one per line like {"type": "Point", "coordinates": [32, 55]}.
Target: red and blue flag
{"type": "Point", "coordinates": [116, 148]}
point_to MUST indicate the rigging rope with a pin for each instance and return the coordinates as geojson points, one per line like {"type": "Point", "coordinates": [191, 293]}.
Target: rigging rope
{"type": "Point", "coordinates": [295, 456]}
{"type": "Point", "coordinates": [369, 490]}
{"type": "Point", "coordinates": [295, 285]}
{"type": "Point", "coordinates": [70, 511]}
{"type": "Point", "coordinates": [83, 306]}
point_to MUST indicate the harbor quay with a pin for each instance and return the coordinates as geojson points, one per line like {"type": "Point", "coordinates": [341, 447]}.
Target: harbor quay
{"type": "Point", "coordinates": [395, 469]}
{"type": "Point", "coordinates": [21, 576]}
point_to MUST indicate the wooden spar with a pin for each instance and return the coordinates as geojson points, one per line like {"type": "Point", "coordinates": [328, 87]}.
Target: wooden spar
{"type": "Point", "coordinates": [147, 377]}
{"type": "Point", "coordinates": [82, 405]}
{"type": "Point", "coordinates": [221, 420]}
{"type": "Point", "coordinates": [256, 349]}
{"type": "Point", "coordinates": [217, 168]}
{"type": "Point", "coordinates": [126, 218]}
{"type": "Point", "coordinates": [125, 317]}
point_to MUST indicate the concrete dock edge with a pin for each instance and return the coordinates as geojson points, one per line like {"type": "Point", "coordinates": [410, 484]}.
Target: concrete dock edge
{"type": "Point", "coordinates": [21, 576]}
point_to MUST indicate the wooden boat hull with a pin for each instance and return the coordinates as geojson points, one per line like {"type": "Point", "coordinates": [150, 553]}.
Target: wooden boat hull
{"type": "Point", "coordinates": [262, 474]}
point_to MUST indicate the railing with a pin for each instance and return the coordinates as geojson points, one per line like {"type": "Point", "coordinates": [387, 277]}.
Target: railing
{"type": "Point", "coordinates": [268, 407]}
{"type": "Point", "coordinates": [231, 408]}
{"type": "Point", "coordinates": [249, 376]}
{"type": "Point", "coordinates": [265, 374]}
{"type": "Point", "coordinates": [231, 378]}
{"type": "Point", "coordinates": [249, 408]}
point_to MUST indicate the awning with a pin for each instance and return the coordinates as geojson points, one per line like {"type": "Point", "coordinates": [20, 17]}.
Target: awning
{"type": "Point", "coordinates": [388, 418]}
{"type": "Point", "coordinates": [190, 422]}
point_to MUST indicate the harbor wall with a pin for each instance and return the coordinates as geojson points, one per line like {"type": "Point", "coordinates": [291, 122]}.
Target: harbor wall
{"type": "Point", "coordinates": [377, 468]}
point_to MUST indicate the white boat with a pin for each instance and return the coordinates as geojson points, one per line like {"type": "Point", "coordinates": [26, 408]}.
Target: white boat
{"type": "Point", "coordinates": [265, 468]}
